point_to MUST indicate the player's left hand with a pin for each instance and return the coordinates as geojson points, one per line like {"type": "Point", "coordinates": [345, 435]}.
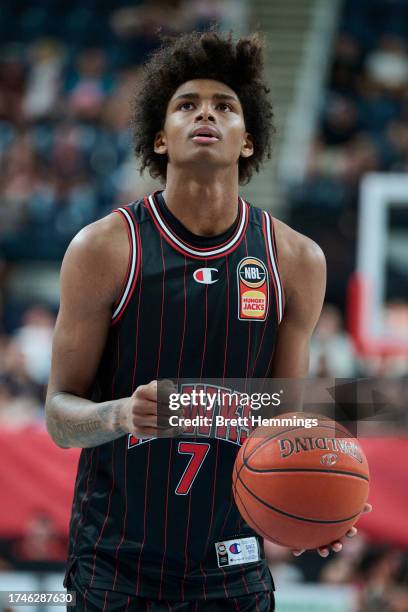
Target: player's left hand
{"type": "Point", "coordinates": [324, 551]}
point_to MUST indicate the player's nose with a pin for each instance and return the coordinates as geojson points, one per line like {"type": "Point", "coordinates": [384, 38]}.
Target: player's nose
{"type": "Point", "coordinates": [205, 113]}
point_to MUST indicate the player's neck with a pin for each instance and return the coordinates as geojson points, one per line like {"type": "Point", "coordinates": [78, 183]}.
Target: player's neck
{"type": "Point", "coordinates": [206, 207]}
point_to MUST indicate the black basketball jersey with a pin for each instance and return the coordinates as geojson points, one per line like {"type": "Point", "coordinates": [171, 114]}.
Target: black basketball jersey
{"type": "Point", "coordinates": [156, 517]}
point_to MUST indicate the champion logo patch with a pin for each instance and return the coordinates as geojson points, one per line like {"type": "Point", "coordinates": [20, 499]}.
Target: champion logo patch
{"type": "Point", "coordinates": [235, 548]}
{"type": "Point", "coordinates": [253, 289]}
{"type": "Point", "coordinates": [206, 276]}
{"type": "Point", "coordinates": [236, 552]}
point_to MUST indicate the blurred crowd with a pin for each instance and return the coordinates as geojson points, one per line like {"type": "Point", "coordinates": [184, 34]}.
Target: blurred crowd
{"type": "Point", "coordinates": [67, 72]}
{"type": "Point", "coordinates": [363, 128]}
{"type": "Point", "coordinates": [377, 574]}
{"type": "Point", "coordinates": [25, 355]}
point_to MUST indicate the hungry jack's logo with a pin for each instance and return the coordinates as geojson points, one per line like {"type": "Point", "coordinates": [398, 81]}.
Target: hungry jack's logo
{"type": "Point", "coordinates": [253, 289]}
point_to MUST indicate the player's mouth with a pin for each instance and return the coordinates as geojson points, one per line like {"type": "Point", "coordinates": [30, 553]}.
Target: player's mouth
{"type": "Point", "coordinates": [205, 135]}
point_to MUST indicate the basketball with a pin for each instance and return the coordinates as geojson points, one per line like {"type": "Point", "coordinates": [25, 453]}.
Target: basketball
{"type": "Point", "coordinates": [301, 487]}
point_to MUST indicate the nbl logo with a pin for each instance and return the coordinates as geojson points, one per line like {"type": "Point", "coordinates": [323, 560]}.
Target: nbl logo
{"type": "Point", "coordinates": [253, 289]}
{"type": "Point", "coordinates": [252, 273]}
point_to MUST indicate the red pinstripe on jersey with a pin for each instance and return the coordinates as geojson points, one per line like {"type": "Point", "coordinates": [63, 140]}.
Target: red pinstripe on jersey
{"type": "Point", "coordinates": [184, 320]}
{"type": "Point", "coordinates": [87, 497]}
{"type": "Point", "coordinates": [227, 320]}
{"type": "Point", "coordinates": [107, 513]}
{"type": "Point", "coordinates": [162, 310]}
{"type": "Point", "coordinates": [144, 521]}
{"type": "Point", "coordinates": [165, 519]}
{"type": "Point", "coordinates": [89, 461]}
{"type": "Point", "coordinates": [249, 330]}
{"type": "Point", "coordinates": [205, 332]}
{"type": "Point", "coordinates": [186, 545]}
{"type": "Point", "coordinates": [213, 496]}
{"type": "Point", "coordinates": [124, 518]}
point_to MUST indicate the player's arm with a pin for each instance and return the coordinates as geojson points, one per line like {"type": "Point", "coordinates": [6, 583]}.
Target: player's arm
{"type": "Point", "coordinates": [303, 271]}
{"type": "Point", "coordinates": [91, 277]}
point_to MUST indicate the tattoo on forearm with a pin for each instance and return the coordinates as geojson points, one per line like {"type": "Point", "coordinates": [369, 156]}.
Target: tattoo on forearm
{"type": "Point", "coordinates": [91, 430]}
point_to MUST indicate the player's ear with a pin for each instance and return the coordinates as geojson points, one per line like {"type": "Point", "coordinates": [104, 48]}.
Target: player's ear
{"type": "Point", "coordinates": [160, 143]}
{"type": "Point", "coordinates": [247, 148]}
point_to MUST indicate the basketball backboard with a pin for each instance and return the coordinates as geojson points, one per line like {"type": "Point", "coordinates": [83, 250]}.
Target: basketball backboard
{"type": "Point", "coordinates": [378, 292]}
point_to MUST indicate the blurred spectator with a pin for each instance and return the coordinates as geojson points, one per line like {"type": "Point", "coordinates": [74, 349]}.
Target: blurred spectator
{"type": "Point", "coordinates": [12, 85]}
{"type": "Point", "coordinates": [44, 80]}
{"type": "Point", "coordinates": [340, 121]}
{"type": "Point", "coordinates": [383, 589]}
{"type": "Point", "coordinates": [34, 340]}
{"type": "Point", "coordinates": [89, 84]}
{"type": "Point", "coordinates": [19, 412]}
{"type": "Point", "coordinates": [387, 65]}
{"type": "Point", "coordinates": [282, 564]}
{"type": "Point", "coordinates": [332, 353]}
{"type": "Point", "coordinates": [40, 543]}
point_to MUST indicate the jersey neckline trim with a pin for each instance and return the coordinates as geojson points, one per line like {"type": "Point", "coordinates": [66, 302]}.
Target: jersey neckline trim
{"type": "Point", "coordinates": [187, 237]}
{"type": "Point", "coordinates": [203, 253]}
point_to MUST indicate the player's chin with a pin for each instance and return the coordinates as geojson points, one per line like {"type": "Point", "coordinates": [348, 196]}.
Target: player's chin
{"type": "Point", "coordinates": [205, 151]}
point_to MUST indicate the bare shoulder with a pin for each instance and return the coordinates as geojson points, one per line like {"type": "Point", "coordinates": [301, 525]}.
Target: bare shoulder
{"type": "Point", "coordinates": [102, 238]}
{"type": "Point", "coordinates": [99, 255]}
{"type": "Point", "coordinates": [301, 260]}
{"type": "Point", "coordinates": [296, 250]}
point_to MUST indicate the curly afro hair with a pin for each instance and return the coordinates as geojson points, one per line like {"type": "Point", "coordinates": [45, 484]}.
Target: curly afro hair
{"type": "Point", "coordinates": [203, 55]}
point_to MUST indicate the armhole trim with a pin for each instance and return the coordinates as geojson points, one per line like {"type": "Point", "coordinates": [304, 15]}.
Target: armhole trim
{"type": "Point", "coordinates": [272, 252]}
{"type": "Point", "coordinates": [133, 265]}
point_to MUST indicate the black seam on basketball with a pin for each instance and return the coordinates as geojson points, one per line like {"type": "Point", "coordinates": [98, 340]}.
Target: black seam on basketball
{"type": "Point", "coordinates": [294, 516]}
{"type": "Point", "coordinates": [261, 444]}
{"type": "Point", "coordinates": [252, 469]}
{"type": "Point", "coordinates": [258, 529]}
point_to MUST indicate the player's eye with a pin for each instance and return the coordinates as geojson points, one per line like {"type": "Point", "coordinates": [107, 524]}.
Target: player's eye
{"type": "Point", "coordinates": [186, 106]}
{"type": "Point", "coordinates": [223, 106]}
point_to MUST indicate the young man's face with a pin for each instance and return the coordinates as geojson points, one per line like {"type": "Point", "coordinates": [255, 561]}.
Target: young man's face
{"type": "Point", "coordinates": [204, 127]}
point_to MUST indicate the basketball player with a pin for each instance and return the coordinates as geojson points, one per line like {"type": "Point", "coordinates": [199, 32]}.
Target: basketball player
{"type": "Point", "coordinates": [153, 291]}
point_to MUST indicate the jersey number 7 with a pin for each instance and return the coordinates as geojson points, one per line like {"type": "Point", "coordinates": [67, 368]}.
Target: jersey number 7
{"type": "Point", "coordinates": [198, 452]}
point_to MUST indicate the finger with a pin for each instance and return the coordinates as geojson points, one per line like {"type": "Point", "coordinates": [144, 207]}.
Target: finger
{"type": "Point", "coordinates": [351, 532]}
{"type": "Point", "coordinates": [298, 552]}
{"type": "Point", "coordinates": [165, 388]}
{"type": "Point", "coordinates": [367, 508]}
{"type": "Point", "coordinates": [161, 426]}
{"type": "Point", "coordinates": [167, 385]}
{"type": "Point", "coordinates": [142, 420]}
{"type": "Point", "coordinates": [323, 551]}
{"type": "Point", "coordinates": [148, 392]}
{"type": "Point", "coordinates": [164, 409]}
{"type": "Point", "coordinates": [144, 407]}
{"type": "Point", "coordinates": [336, 546]}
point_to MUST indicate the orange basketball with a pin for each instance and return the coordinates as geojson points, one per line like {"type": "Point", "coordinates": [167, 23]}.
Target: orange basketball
{"type": "Point", "coordinates": [301, 487]}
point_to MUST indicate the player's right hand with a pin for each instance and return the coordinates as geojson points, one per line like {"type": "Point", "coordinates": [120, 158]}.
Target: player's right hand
{"type": "Point", "coordinates": [146, 412]}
